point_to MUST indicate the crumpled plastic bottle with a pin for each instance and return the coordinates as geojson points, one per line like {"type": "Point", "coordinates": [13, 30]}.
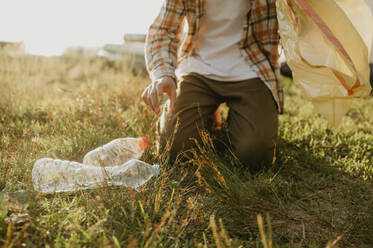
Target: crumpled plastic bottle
{"type": "Point", "coordinates": [116, 152]}
{"type": "Point", "coordinates": [54, 175]}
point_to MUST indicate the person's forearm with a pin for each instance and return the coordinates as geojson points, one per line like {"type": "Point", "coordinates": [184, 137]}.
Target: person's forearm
{"type": "Point", "coordinates": [163, 39]}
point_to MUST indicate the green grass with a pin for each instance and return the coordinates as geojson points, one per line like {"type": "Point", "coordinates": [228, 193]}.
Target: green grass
{"type": "Point", "coordinates": [318, 190]}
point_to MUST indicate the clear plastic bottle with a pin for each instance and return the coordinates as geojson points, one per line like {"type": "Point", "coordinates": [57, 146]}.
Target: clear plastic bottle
{"type": "Point", "coordinates": [54, 175]}
{"type": "Point", "coordinates": [116, 152]}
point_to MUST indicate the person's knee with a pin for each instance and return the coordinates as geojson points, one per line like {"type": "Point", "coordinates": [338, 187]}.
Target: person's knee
{"type": "Point", "coordinates": [177, 143]}
{"type": "Point", "coordinates": [255, 152]}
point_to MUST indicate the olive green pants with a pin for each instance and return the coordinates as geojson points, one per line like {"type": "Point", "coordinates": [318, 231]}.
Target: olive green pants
{"type": "Point", "coordinates": [252, 120]}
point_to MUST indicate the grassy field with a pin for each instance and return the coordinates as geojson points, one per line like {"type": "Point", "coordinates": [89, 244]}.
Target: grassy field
{"type": "Point", "coordinates": [318, 193]}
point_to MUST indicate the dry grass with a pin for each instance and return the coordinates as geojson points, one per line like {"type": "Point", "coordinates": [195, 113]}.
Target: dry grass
{"type": "Point", "coordinates": [318, 190]}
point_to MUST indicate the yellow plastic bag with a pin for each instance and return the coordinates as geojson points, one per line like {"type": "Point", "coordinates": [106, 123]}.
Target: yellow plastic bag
{"type": "Point", "coordinates": [327, 44]}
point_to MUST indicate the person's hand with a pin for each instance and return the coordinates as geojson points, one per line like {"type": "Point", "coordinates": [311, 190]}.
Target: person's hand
{"type": "Point", "coordinates": [152, 95]}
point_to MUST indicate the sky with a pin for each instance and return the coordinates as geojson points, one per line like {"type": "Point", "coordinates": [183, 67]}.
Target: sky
{"type": "Point", "coordinates": [48, 27]}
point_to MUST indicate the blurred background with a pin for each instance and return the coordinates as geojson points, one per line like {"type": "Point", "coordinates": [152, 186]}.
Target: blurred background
{"type": "Point", "coordinates": [49, 27]}
{"type": "Point", "coordinates": [108, 28]}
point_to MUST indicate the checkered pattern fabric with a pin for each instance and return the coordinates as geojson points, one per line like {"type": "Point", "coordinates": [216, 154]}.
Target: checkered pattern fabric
{"type": "Point", "coordinates": [165, 44]}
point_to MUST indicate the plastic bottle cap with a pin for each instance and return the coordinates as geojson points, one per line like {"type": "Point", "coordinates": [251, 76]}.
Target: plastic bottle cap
{"type": "Point", "coordinates": [155, 169]}
{"type": "Point", "coordinates": [143, 143]}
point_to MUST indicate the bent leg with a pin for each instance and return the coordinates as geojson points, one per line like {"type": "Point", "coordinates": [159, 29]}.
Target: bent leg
{"type": "Point", "coordinates": [252, 122]}
{"type": "Point", "coordinates": [195, 105]}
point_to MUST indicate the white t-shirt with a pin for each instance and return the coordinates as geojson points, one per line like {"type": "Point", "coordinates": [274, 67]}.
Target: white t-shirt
{"type": "Point", "coordinates": [218, 55]}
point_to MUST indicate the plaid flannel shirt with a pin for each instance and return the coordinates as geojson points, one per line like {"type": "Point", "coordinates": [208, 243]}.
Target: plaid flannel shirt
{"type": "Point", "coordinates": [259, 43]}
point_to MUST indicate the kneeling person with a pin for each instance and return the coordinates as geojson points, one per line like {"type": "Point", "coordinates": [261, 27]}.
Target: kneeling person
{"type": "Point", "coordinates": [230, 54]}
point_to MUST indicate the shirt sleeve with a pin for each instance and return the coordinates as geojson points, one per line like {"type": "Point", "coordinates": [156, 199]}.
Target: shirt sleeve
{"type": "Point", "coordinates": [163, 38]}
{"type": "Point", "coordinates": [271, 39]}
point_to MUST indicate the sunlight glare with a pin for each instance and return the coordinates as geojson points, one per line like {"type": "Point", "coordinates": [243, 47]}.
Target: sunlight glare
{"type": "Point", "coordinates": [48, 27]}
